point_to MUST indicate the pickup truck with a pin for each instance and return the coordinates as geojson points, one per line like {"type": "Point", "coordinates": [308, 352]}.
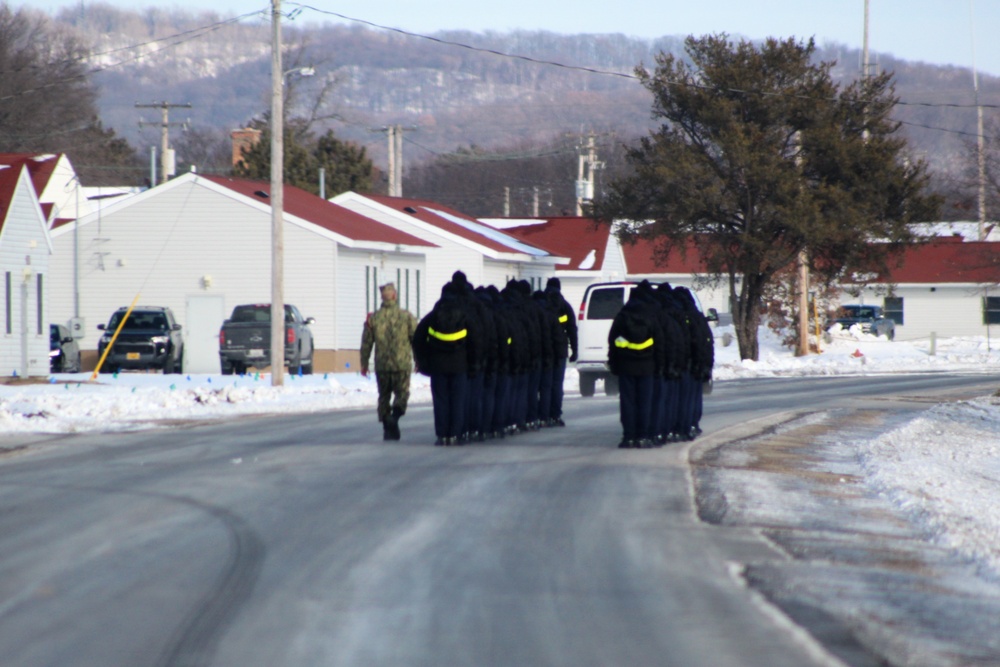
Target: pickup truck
{"type": "Point", "coordinates": [871, 319]}
{"type": "Point", "coordinates": [245, 339]}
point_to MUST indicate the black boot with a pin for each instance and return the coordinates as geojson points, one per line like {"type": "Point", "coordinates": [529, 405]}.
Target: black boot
{"type": "Point", "coordinates": [393, 420]}
{"type": "Point", "coordinates": [390, 428]}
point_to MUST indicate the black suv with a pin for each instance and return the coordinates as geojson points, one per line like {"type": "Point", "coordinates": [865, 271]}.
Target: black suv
{"type": "Point", "coordinates": [872, 320]}
{"type": "Point", "coordinates": [150, 338]}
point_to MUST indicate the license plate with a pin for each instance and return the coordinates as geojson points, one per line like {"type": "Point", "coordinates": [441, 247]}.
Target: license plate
{"type": "Point", "coordinates": [132, 356]}
{"type": "Point", "coordinates": [256, 353]}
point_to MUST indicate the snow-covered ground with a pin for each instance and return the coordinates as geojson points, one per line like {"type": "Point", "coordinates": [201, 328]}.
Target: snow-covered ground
{"type": "Point", "coordinates": [69, 403]}
{"type": "Point", "coordinates": [944, 466]}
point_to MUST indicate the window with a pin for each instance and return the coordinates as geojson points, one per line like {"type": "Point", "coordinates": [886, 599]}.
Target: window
{"type": "Point", "coordinates": [39, 315]}
{"type": "Point", "coordinates": [372, 297]}
{"type": "Point", "coordinates": [894, 308]}
{"type": "Point", "coordinates": [991, 310]}
{"type": "Point", "coordinates": [605, 303]}
{"type": "Point", "coordinates": [10, 313]}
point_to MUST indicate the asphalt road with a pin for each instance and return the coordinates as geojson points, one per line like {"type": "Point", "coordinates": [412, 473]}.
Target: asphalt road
{"type": "Point", "coordinates": [308, 541]}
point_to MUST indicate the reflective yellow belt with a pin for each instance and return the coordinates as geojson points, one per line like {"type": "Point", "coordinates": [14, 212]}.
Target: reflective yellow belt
{"type": "Point", "coordinates": [447, 337]}
{"type": "Point", "coordinates": [621, 342]}
{"type": "Point", "coordinates": [563, 319]}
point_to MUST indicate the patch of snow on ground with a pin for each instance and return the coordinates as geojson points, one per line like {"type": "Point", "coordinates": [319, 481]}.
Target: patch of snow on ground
{"type": "Point", "coordinates": [944, 469]}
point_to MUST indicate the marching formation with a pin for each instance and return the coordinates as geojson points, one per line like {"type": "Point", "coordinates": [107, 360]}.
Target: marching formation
{"type": "Point", "coordinates": [496, 359]}
{"type": "Point", "coordinates": [662, 350]}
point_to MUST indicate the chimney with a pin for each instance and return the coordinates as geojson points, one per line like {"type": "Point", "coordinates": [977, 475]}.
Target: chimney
{"type": "Point", "coordinates": [244, 138]}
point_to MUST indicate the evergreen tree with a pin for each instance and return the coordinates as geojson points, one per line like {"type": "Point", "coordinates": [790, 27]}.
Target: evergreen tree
{"type": "Point", "coordinates": [346, 165]}
{"type": "Point", "coordinates": [761, 156]}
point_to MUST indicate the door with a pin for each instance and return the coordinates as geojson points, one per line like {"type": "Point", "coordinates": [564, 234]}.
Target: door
{"type": "Point", "coordinates": [204, 316]}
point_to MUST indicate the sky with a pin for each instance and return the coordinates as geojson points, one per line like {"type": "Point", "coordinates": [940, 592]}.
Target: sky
{"type": "Point", "coordinates": [944, 32]}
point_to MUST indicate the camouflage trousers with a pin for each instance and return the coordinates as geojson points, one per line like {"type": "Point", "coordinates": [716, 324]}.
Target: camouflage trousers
{"type": "Point", "coordinates": [393, 392]}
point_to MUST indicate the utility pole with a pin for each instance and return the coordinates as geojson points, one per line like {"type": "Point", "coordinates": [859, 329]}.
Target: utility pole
{"type": "Point", "coordinates": [981, 153]}
{"type": "Point", "coordinates": [586, 168]}
{"type": "Point", "coordinates": [864, 46]}
{"type": "Point", "coordinates": [277, 202]}
{"type": "Point", "coordinates": [803, 274]}
{"type": "Point", "coordinates": [165, 156]}
{"type": "Point", "coordinates": [395, 169]}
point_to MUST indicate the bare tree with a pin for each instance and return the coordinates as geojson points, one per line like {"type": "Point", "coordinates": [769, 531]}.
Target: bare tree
{"type": "Point", "coordinates": [47, 102]}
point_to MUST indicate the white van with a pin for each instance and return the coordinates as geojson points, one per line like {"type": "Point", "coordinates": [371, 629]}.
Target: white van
{"type": "Point", "coordinates": [601, 303]}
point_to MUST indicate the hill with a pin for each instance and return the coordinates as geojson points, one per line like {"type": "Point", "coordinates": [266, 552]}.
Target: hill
{"type": "Point", "coordinates": [452, 90]}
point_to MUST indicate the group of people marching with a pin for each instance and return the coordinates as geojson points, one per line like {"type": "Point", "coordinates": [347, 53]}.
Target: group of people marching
{"type": "Point", "coordinates": [662, 350]}
{"type": "Point", "coordinates": [497, 358]}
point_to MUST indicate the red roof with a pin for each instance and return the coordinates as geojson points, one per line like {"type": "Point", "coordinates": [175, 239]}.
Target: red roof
{"type": "Point", "coordinates": [942, 260]}
{"type": "Point", "coordinates": [8, 181]}
{"type": "Point", "coordinates": [429, 212]}
{"type": "Point", "coordinates": [570, 237]}
{"type": "Point", "coordinates": [949, 260]}
{"type": "Point", "coordinates": [640, 258]}
{"type": "Point", "coordinates": [40, 166]}
{"type": "Point", "coordinates": [322, 213]}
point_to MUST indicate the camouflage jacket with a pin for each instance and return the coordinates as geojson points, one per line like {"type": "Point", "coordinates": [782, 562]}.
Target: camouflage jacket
{"type": "Point", "coordinates": [389, 330]}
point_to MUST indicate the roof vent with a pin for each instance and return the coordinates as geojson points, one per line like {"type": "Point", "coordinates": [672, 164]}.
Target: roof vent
{"type": "Point", "coordinates": [410, 210]}
{"type": "Point", "coordinates": [262, 194]}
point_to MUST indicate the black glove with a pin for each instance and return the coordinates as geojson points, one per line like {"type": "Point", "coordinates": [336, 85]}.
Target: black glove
{"type": "Point", "coordinates": [573, 356]}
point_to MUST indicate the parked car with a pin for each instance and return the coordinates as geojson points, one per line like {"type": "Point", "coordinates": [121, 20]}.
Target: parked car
{"type": "Point", "coordinates": [601, 303]}
{"type": "Point", "coordinates": [150, 339]}
{"type": "Point", "coordinates": [871, 319]}
{"type": "Point", "coordinates": [64, 352]}
{"type": "Point", "coordinates": [245, 339]}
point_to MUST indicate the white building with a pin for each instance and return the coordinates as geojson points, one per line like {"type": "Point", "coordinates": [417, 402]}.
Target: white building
{"type": "Point", "coordinates": [25, 249]}
{"type": "Point", "coordinates": [486, 255]}
{"type": "Point", "coordinates": [201, 245]}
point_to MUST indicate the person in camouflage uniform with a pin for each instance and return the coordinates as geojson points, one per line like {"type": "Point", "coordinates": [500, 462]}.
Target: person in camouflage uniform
{"type": "Point", "coordinates": [390, 331]}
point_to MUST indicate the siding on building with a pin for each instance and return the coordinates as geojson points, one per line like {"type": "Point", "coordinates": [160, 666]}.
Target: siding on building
{"type": "Point", "coordinates": [451, 255]}
{"type": "Point", "coordinates": [25, 250]}
{"type": "Point", "coordinates": [947, 310]}
{"type": "Point", "coordinates": [193, 236]}
{"type": "Point", "coordinates": [364, 272]}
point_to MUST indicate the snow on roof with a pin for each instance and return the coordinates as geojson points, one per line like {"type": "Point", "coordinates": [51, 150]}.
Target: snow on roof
{"type": "Point", "coordinates": [967, 230]}
{"type": "Point", "coordinates": [453, 222]}
{"type": "Point", "coordinates": [507, 223]}
{"type": "Point", "coordinates": [491, 233]}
